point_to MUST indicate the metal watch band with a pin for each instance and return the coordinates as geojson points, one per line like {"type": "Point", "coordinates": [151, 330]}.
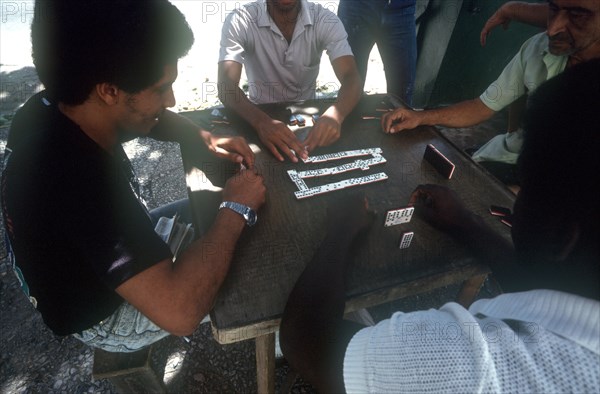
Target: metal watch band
{"type": "Point", "coordinates": [247, 213]}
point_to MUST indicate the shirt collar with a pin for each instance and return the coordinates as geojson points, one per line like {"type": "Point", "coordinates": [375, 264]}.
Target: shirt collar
{"type": "Point", "coordinates": [550, 59]}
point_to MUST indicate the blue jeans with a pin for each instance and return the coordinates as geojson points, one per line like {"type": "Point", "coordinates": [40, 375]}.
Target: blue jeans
{"type": "Point", "coordinates": [391, 25]}
{"type": "Point", "coordinates": [127, 329]}
{"type": "Point", "coordinates": [182, 207]}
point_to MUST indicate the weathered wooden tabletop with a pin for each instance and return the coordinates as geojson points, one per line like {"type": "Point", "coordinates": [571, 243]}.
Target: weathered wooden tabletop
{"type": "Point", "coordinates": [271, 255]}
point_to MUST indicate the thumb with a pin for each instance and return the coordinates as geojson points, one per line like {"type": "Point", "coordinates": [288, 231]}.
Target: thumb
{"type": "Point", "coordinates": [231, 156]}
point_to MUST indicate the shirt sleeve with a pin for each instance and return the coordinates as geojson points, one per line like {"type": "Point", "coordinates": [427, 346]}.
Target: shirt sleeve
{"type": "Point", "coordinates": [451, 350]}
{"type": "Point", "coordinates": [332, 35]}
{"type": "Point", "coordinates": [510, 85]}
{"type": "Point", "coordinates": [110, 227]}
{"type": "Point", "coordinates": [418, 352]}
{"type": "Point", "coordinates": [232, 38]}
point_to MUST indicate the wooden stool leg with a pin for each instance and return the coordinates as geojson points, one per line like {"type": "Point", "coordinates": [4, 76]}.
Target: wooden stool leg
{"type": "Point", "coordinates": [469, 290]}
{"type": "Point", "coordinates": [265, 363]}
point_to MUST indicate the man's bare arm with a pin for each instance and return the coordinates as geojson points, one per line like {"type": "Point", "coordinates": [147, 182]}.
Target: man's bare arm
{"type": "Point", "coordinates": [177, 296]}
{"type": "Point", "coordinates": [276, 136]}
{"type": "Point", "coordinates": [442, 208]}
{"type": "Point", "coordinates": [178, 128]}
{"type": "Point", "coordinates": [463, 114]}
{"type": "Point", "coordinates": [328, 127]}
{"type": "Point", "coordinates": [174, 127]}
{"type": "Point", "coordinates": [535, 14]}
{"type": "Point", "coordinates": [314, 335]}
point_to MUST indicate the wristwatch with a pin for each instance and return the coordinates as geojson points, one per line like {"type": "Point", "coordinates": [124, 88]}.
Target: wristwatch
{"type": "Point", "coordinates": [246, 212]}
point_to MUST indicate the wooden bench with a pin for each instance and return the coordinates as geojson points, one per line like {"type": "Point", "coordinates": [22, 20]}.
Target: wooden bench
{"type": "Point", "coordinates": [128, 372]}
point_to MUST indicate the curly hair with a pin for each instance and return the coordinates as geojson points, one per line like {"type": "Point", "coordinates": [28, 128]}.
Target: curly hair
{"type": "Point", "coordinates": [80, 43]}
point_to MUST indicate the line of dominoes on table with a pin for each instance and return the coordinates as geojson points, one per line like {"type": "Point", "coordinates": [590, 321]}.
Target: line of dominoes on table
{"type": "Point", "coordinates": [342, 155]}
{"type": "Point", "coordinates": [304, 191]}
{"type": "Point", "coordinates": [381, 176]}
{"type": "Point", "coordinates": [356, 165]}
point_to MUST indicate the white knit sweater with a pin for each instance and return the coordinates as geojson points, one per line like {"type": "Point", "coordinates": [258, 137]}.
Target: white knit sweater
{"type": "Point", "coordinates": [540, 341]}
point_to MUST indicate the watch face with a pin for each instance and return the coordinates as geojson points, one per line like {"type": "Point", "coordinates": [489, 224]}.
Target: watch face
{"type": "Point", "coordinates": [251, 220]}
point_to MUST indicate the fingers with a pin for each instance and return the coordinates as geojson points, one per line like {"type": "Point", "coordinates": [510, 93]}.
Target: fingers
{"type": "Point", "coordinates": [325, 132]}
{"type": "Point", "coordinates": [246, 154]}
{"type": "Point", "coordinates": [499, 18]}
{"type": "Point", "coordinates": [273, 149]}
{"type": "Point", "coordinates": [292, 149]}
{"type": "Point", "coordinates": [386, 121]}
{"type": "Point", "coordinates": [311, 141]}
{"type": "Point", "coordinates": [489, 25]}
{"type": "Point", "coordinates": [299, 149]}
{"type": "Point", "coordinates": [287, 148]}
{"type": "Point", "coordinates": [393, 122]}
{"type": "Point", "coordinates": [418, 197]}
{"type": "Point", "coordinates": [280, 139]}
{"type": "Point", "coordinates": [483, 37]}
{"type": "Point", "coordinates": [246, 187]}
{"type": "Point", "coordinates": [422, 194]}
{"type": "Point", "coordinates": [231, 156]}
{"type": "Point", "coordinates": [318, 138]}
{"type": "Point", "coordinates": [234, 149]}
{"type": "Point", "coordinates": [415, 197]}
{"type": "Point", "coordinates": [238, 151]}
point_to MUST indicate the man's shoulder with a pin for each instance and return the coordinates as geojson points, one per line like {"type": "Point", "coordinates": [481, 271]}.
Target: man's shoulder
{"type": "Point", "coordinates": [319, 13]}
{"type": "Point", "coordinates": [33, 115]}
{"type": "Point", "coordinates": [249, 13]}
{"type": "Point", "coordinates": [42, 142]}
{"type": "Point", "coordinates": [536, 45]}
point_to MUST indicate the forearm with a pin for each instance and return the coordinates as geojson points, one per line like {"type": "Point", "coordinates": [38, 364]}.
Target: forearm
{"type": "Point", "coordinates": [490, 248]}
{"type": "Point", "coordinates": [320, 289]}
{"type": "Point", "coordinates": [177, 296]}
{"type": "Point", "coordinates": [174, 127]}
{"type": "Point", "coordinates": [348, 96]}
{"type": "Point", "coordinates": [464, 114]}
{"type": "Point", "coordinates": [202, 268]}
{"type": "Point", "coordinates": [312, 333]}
{"type": "Point", "coordinates": [535, 14]}
{"type": "Point", "coordinates": [235, 99]}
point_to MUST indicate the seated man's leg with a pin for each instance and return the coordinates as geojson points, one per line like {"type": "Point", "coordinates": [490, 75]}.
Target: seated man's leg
{"type": "Point", "coordinates": [181, 207]}
{"type": "Point", "coordinates": [504, 148]}
{"type": "Point", "coordinates": [126, 330]}
{"type": "Point", "coordinates": [499, 156]}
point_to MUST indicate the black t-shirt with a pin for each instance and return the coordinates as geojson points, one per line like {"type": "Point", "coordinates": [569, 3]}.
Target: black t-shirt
{"type": "Point", "coordinates": [76, 225]}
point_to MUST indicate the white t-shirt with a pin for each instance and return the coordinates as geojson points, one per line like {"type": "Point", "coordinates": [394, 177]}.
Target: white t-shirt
{"type": "Point", "coordinates": [540, 341]}
{"type": "Point", "coordinates": [278, 71]}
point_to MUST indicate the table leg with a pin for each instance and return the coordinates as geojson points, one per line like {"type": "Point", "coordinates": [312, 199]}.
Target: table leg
{"type": "Point", "coordinates": [265, 363]}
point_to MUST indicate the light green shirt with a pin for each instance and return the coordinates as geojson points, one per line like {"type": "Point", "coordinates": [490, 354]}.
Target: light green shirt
{"type": "Point", "coordinates": [531, 67]}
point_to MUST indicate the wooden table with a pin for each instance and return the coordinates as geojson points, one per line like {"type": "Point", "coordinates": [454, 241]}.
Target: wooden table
{"type": "Point", "coordinates": [270, 256]}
